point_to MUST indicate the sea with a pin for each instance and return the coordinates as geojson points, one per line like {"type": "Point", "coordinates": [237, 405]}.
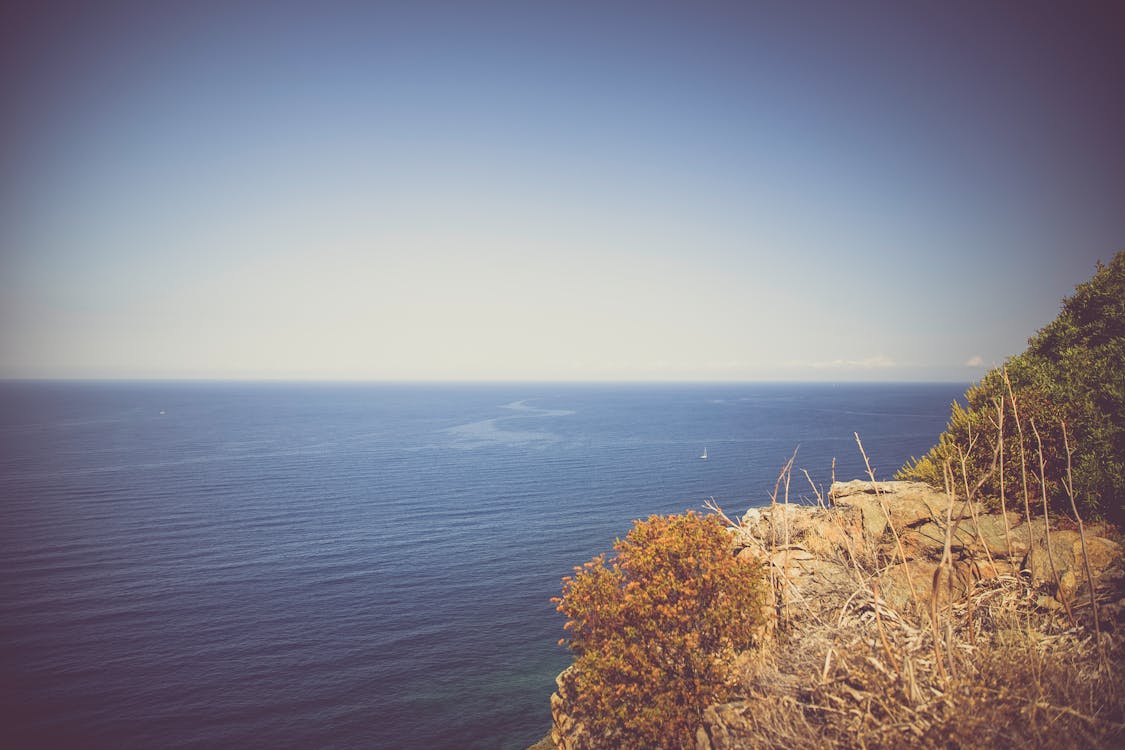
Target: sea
{"type": "Point", "coordinates": [345, 565]}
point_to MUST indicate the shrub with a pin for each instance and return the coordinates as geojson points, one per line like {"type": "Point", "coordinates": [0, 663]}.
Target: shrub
{"type": "Point", "coordinates": [1074, 371]}
{"type": "Point", "coordinates": [654, 630]}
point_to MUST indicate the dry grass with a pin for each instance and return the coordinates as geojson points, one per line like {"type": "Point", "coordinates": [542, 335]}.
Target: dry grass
{"type": "Point", "coordinates": [996, 668]}
{"type": "Point", "coordinates": [1016, 676]}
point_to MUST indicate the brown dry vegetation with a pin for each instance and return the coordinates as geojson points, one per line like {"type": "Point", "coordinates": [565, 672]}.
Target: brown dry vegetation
{"type": "Point", "coordinates": [963, 660]}
{"type": "Point", "coordinates": [1003, 672]}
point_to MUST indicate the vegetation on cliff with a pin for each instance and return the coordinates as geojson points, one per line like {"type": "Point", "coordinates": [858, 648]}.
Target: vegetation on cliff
{"type": "Point", "coordinates": [898, 616]}
{"type": "Point", "coordinates": [957, 611]}
{"type": "Point", "coordinates": [1066, 393]}
{"type": "Point", "coordinates": [654, 630]}
{"type": "Point", "coordinates": [910, 618]}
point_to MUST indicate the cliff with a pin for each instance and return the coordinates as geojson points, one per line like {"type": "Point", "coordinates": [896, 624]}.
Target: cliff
{"type": "Point", "coordinates": [904, 618]}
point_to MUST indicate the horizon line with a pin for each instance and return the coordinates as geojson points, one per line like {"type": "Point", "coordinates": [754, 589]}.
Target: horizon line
{"type": "Point", "coordinates": [473, 381]}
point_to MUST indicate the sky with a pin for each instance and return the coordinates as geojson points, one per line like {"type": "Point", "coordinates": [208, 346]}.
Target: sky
{"type": "Point", "coordinates": [551, 190]}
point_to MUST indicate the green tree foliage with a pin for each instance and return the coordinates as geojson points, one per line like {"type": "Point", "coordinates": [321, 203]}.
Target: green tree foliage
{"type": "Point", "coordinates": [1074, 372]}
{"type": "Point", "coordinates": [655, 627]}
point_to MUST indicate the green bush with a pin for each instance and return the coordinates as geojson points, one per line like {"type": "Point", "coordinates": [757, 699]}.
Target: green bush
{"type": "Point", "coordinates": [1073, 371]}
{"type": "Point", "coordinates": [655, 628]}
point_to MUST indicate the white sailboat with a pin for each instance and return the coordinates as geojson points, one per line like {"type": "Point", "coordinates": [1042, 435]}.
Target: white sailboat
{"type": "Point", "coordinates": [704, 456]}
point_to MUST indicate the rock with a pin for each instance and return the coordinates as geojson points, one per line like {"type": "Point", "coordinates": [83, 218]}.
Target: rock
{"type": "Point", "coordinates": [789, 519]}
{"type": "Point", "coordinates": [906, 504]}
{"type": "Point", "coordinates": [811, 581]}
{"type": "Point", "coordinates": [909, 511]}
{"type": "Point", "coordinates": [871, 512]}
{"type": "Point", "coordinates": [969, 534]}
{"type": "Point", "coordinates": [900, 584]}
{"type": "Point", "coordinates": [750, 554]}
{"type": "Point", "coordinates": [814, 552]}
{"type": "Point", "coordinates": [751, 517]}
{"type": "Point", "coordinates": [722, 725]}
{"type": "Point", "coordinates": [896, 582]}
{"type": "Point", "coordinates": [1019, 534]}
{"type": "Point", "coordinates": [544, 744]}
{"type": "Point", "coordinates": [566, 732]}
{"type": "Point", "coordinates": [855, 487]}
{"type": "Point", "coordinates": [990, 526]}
{"type": "Point", "coordinates": [825, 537]}
{"type": "Point", "coordinates": [1066, 546]}
{"type": "Point", "coordinates": [994, 569]}
{"type": "Point", "coordinates": [1068, 586]}
{"type": "Point", "coordinates": [788, 557]}
{"type": "Point", "coordinates": [931, 536]}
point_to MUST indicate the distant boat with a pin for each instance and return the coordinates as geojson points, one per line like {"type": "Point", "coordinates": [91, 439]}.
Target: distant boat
{"type": "Point", "coordinates": [704, 456]}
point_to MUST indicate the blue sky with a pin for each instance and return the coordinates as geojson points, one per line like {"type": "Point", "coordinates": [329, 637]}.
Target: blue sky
{"type": "Point", "coordinates": [555, 191]}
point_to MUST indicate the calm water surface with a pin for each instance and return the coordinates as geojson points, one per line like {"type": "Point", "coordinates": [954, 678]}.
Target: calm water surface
{"type": "Point", "coordinates": [356, 566]}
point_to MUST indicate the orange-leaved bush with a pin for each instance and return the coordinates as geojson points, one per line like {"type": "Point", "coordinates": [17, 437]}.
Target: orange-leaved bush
{"type": "Point", "coordinates": [654, 630]}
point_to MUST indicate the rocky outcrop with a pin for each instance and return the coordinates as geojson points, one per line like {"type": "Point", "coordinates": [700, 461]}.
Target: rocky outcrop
{"type": "Point", "coordinates": [901, 529]}
{"type": "Point", "coordinates": [566, 732]}
{"type": "Point", "coordinates": [906, 548]}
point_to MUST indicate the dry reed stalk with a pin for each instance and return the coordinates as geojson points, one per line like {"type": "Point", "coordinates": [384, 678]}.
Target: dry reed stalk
{"type": "Point", "coordinates": [887, 515]}
{"type": "Point", "coordinates": [972, 508]}
{"type": "Point", "coordinates": [712, 506]}
{"type": "Point", "coordinates": [1068, 486]}
{"type": "Point", "coordinates": [848, 603]}
{"type": "Point", "coordinates": [969, 617]}
{"type": "Point", "coordinates": [785, 472]}
{"type": "Point", "coordinates": [1023, 467]}
{"type": "Point", "coordinates": [833, 477]}
{"type": "Point", "coordinates": [1047, 524]}
{"type": "Point", "coordinates": [785, 512]}
{"type": "Point", "coordinates": [770, 531]}
{"type": "Point", "coordinates": [819, 496]}
{"type": "Point", "coordinates": [859, 572]}
{"type": "Point", "coordinates": [788, 478]}
{"type": "Point", "coordinates": [946, 564]}
{"type": "Point", "coordinates": [882, 631]}
{"type": "Point", "coordinates": [835, 516]}
{"type": "Point", "coordinates": [1000, 444]}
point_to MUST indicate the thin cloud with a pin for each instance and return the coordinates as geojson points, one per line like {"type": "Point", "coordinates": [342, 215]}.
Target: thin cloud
{"type": "Point", "coordinates": [975, 361]}
{"type": "Point", "coordinates": [877, 362]}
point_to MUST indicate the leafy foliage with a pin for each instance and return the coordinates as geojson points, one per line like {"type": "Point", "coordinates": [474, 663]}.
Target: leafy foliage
{"type": "Point", "coordinates": [1073, 371]}
{"type": "Point", "coordinates": [655, 628]}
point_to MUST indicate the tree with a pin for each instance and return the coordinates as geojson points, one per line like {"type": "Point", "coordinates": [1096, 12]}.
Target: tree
{"type": "Point", "coordinates": [1073, 371]}
{"type": "Point", "coordinates": [655, 628]}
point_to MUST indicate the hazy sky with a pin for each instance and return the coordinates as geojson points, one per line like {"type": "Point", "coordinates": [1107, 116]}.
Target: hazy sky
{"type": "Point", "coordinates": [551, 190]}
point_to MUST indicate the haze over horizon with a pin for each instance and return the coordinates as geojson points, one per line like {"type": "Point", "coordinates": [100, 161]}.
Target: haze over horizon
{"type": "Point", "coordinates": [517, 191]}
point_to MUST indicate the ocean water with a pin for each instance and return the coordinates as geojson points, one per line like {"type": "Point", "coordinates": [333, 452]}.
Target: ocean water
{"type": "Point", "coordinates": [187, 565]}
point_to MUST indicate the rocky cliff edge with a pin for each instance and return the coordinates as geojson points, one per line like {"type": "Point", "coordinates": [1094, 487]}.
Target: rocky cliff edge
{"type": "Point", "coordinates": [903, 617]}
